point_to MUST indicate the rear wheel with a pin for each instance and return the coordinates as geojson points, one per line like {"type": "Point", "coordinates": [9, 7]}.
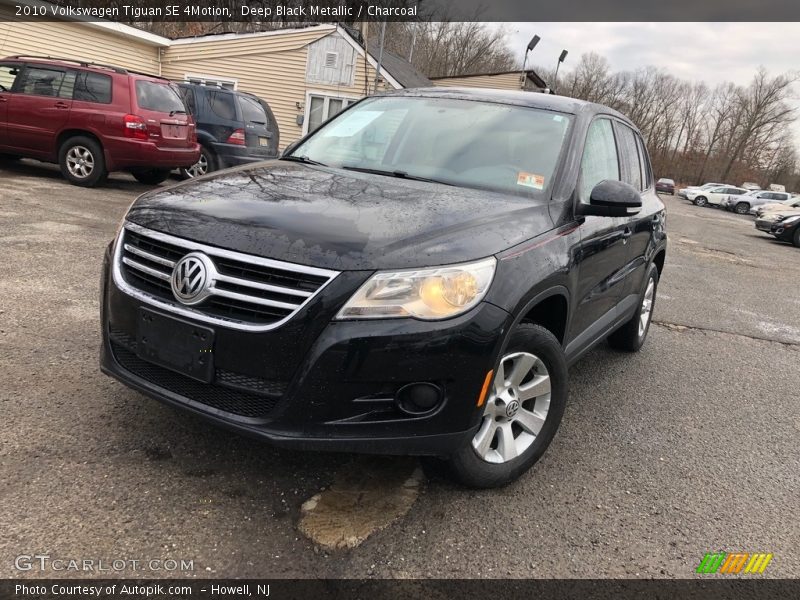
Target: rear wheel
{"type": "Point", "coordinates": [631, 336]}
{"type": "Point", "coordinates": [151, 176]}
{"type": "Point", "coordinates": [82, 162]}
{"type": "Point", "coordinates": [742, 208]}
{"type": "Point", "coordinates": [205, 164]}
{"type": "Point", "coordinates": [521, 414]}
{"type": "Point", "coordinates": [700, 201]}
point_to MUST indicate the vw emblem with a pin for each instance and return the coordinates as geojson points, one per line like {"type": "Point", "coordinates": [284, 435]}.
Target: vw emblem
{"type": "Point", "coordinates": [512, 408]}
{"type": "Point", "coordinates": [191, 278]}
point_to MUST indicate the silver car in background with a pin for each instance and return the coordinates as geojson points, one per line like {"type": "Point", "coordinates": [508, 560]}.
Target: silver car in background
{"type": "Point", "coordinates": [748, 203]}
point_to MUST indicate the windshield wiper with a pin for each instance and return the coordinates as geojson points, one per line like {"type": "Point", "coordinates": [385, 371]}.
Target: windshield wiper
{"type": "Point", "coordinates": [172, 113]}
{"type": "Point", "coordinates": [397, 173]}
{"type": "Point", "coordinates": [303, 159]}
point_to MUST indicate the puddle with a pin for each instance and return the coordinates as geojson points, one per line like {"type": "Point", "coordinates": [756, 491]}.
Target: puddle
{"type": "Point", "coordinates": [365, 497]}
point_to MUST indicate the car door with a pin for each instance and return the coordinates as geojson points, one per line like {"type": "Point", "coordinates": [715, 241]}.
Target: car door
{"type": "Point", "coordinates": [39, 109]}
{"type": "Point", "coordinates": [8, 77]}
{"type": "Point", "coordinates": [603, 252]}
{"type": "Point", "coordinates": [717, 195]}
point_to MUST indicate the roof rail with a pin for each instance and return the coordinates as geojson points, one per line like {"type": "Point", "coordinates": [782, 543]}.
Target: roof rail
{"type": "Point", "coordinates": [83, 63]}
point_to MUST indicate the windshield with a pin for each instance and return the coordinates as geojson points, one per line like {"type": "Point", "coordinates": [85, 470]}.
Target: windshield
{"type": "Point", "coordinates": [458, 142]}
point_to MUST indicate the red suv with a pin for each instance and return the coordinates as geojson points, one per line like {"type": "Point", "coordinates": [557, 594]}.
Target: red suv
{"type": "Point", "coordinates": [92, 119]}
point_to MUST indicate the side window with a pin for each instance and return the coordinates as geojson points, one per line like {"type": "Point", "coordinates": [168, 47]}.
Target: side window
{"type": "Point", "coordinates": [222, 105]}
{"type": "Point", "coordinates": [8, 75]}
{"type": "Point", "coordinates": [628, 156]}
{"type": "Point", "coordinates": [38, 81]}
{"type": "Point", "coordinates": [644, 164]}
{"type": "Point", "coordinates": [599, 160]}
{"type": "Point", "coordinates": [93, 87]}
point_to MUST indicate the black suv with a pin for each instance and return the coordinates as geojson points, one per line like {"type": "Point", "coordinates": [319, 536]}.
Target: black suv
{"type": "Point", "coordinates": [233, 128]}
{"type": "Point", "coordinates": [414, 277]}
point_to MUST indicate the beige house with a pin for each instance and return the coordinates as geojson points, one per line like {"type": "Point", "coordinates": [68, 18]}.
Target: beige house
{"type": "Point", "coordinates": [504, 80]}
{"type": "Point", "coordinates": [306, 74]}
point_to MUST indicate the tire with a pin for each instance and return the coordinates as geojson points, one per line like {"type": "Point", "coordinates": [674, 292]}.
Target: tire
{"type": "Point", "coordinates": [206, 164]}
{"type": "Point", "coordinates": [796, 237]}
{"type": "Point", "coordinates": [700, 201]}
{"type": "Point", "coordinates": [631, 336]}
{"type": "Point", "coordinates": [88, 173]}
{"type": "Point", "coordinates": [528, 345]}
{"type": "Point", "coordinates": [151, 176]}
{"type": "Point", "coordinates": [742, 208]}
{"type": "Point", "coordinates": [9, 157]}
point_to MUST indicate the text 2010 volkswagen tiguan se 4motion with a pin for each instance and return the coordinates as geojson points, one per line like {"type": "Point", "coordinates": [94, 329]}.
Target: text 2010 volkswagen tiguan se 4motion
{"type": "Point", "coordinates": [414, 277]}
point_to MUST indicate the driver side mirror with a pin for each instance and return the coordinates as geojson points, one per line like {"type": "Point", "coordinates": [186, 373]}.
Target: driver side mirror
{"type": "Point", "coordinates": [611, 198]}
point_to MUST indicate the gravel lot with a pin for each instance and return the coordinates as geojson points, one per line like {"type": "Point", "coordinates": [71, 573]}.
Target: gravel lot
{"type": "Point", "coordinates": [688, 447]}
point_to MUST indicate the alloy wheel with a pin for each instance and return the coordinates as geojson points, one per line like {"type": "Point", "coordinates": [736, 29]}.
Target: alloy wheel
{"type": "Point", "coordinates": [517, 409]}
{"type": "Point", "coordinates": [647, 306]}
{"type": "Point", "coordinates": [80, 162]}
{"type": "Point", "coordinates": [199, 168]}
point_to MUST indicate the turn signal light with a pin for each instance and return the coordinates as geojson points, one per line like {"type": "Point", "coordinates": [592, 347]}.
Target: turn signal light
{"type": "Point", "coordinates": [135, 127]}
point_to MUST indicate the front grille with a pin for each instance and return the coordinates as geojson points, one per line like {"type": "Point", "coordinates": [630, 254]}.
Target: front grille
{"type": "Point", "coordinates": [242, 289]}
{"type": "Point", "coordinates": [234, 393]}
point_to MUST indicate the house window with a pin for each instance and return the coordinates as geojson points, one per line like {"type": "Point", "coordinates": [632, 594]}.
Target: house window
{"type": "Point", "coordinates": [212, 81]}
{"type": "Point", "coordinates": [331, 60]}
{"type": "Point", "coordinates": [320, 108]}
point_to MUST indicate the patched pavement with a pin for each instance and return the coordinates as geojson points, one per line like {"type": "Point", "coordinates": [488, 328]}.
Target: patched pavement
{"type": "Point", "coordinates": [687, 447]}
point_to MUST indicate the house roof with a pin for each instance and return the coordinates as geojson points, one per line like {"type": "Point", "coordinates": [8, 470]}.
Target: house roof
{"type": "Point", "coordinates": [530, 74]}
{"type": "Point", "coordinates": [402, 70]}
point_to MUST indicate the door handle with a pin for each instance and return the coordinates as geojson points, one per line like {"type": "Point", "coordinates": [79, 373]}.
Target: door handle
{"type": "Point", "coordinates": [61, 105]}
{"type": "Point", "coordinates": [626, 234]}
{"type": "Point", "coordinates": [3, 99]}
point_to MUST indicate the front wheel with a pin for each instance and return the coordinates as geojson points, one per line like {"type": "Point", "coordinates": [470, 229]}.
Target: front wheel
{"type": "Point", "coordinates": [700, 201]}
{"type": "Point", "coordinates": [796, 238]}
{"type": "Point", "coordinates": [521, 414]}
{"type": "Point", "coordinates": [631, 336]}
{"type": "Point", "coordinates": [742, 208]}
{"type": "Point", "coordinates": [151, 176]}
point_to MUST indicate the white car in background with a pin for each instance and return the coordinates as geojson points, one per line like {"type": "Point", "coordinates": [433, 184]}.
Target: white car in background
{"type": "Point", "coordinates": [749, 202]}
{"type": "Point", "coordinates": [684, 192]}
{"type": "Point", "coordinates": [713, 196]}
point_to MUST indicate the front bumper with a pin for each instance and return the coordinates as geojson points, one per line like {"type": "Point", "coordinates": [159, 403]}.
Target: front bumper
{"type": "Point", "coordinates": [320, 384]}
{"type": "Point", "coordinates": [784, 232]}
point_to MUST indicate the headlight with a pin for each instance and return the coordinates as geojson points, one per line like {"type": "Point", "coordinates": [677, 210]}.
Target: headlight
{"type": "Point", "coordinates": [430, 294]}
{"type": "Point", "coordinates": [792, 219]}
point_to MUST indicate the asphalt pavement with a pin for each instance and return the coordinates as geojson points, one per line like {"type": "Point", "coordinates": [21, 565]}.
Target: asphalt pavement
{"type": "Point", "coordinates": [690, 446]}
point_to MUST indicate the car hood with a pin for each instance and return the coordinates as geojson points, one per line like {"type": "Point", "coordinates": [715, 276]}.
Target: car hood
{"type": "Point", "coordinates": [339, 219]}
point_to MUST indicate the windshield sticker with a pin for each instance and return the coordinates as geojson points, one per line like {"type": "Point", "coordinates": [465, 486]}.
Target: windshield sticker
{"type": "Point", "coordinates": [352, 123]}
{"type": "Point", "coordinates": [530, 180]}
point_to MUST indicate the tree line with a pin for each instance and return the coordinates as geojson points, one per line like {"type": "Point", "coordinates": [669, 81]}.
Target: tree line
{"type": "Point", "coordinates": [732, 133]}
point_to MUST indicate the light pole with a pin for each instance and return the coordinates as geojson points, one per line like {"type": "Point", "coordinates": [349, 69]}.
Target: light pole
{"type": "Point", "coordinates": [558, 64]}
{"type": "Point", "coordinates": [531, 45]}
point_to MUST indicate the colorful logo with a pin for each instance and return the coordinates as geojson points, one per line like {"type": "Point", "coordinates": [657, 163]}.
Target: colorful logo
{"type": "Point", "coordinates": [732, 563]}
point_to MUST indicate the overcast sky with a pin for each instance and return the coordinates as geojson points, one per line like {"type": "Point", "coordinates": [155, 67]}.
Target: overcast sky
{"type": "Point", "coordinates": [713, 52]}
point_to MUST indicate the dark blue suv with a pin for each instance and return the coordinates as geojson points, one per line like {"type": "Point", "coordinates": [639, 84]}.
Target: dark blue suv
{"type": "Point", "coordinates": [233, 128]}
